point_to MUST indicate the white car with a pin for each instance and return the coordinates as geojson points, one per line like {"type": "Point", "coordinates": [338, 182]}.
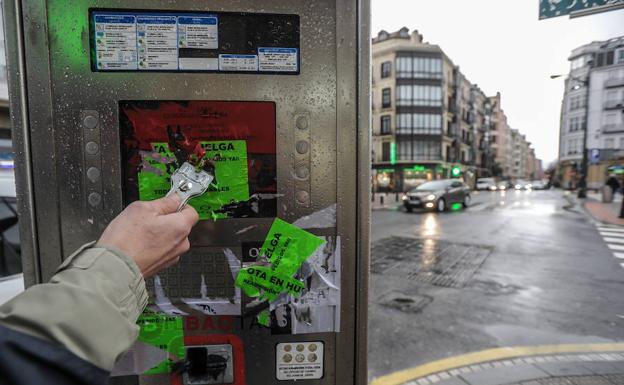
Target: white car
{"type": "Point", "coordinates": [486, 184]}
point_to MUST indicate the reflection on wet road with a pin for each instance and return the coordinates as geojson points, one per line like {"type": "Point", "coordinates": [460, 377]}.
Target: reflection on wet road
{"type": "Point", "coordinates": [515, 268]}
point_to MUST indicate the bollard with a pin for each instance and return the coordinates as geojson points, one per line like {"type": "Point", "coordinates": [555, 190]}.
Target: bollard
{"type": "Point", "coordinates": [381, 200]}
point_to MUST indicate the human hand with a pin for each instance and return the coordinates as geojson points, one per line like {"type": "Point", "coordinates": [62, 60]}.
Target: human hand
{"type": "Point", "coordinates": [152, 233]}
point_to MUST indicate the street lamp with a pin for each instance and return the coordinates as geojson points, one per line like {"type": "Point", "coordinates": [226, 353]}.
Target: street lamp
{"type": "Point", "coordinates": [582, 192]}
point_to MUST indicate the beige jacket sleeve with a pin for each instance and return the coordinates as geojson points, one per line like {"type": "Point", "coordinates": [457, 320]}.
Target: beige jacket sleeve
{"type": "Point", "coordinates": [90, 305]}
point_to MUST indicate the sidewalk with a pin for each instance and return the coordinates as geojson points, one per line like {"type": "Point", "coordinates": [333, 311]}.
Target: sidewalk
{"type": "Point", "coordinates": [604, 212]}
{"type": "Point", "coordinates": [387, 201]}
{"type": "Point", "coordinates": [599, 364]}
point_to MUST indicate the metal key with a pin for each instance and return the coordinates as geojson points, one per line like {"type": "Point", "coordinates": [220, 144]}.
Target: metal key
{"type": "Point", "coordinates": [187, 183]}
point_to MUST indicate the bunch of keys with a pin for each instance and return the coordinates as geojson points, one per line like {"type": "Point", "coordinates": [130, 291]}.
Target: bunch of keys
{"type": "Point", "coordinates": [187, 183]}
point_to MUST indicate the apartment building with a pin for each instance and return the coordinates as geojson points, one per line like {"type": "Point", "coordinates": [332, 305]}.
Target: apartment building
{"type": "Point", "coordinates": [593, 102]}
{"type": "Point", "coordinates": [427, 117]}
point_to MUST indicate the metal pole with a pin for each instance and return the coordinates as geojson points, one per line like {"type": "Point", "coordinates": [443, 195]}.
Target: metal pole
{"type": "Point", "coordinates": [582, 192]}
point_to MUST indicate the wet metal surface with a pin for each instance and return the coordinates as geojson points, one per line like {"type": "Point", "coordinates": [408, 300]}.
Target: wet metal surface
{"type": "Point", "coordinates": [514, 269]}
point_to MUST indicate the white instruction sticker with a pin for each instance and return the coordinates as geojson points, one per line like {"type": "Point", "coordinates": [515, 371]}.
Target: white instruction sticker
{"type": "Point", "coordinates": [238, 62]}
{"type": "Point", "coordinates": [198, 32]}
{"type": "Point", "coordinates": [278, 59]}
{"type": "Point", "coordinates": [157, 42]}
{"type": "Point", "coordinates": [115, 41]}
{"type": "Point", "coordinates": [299, 361]}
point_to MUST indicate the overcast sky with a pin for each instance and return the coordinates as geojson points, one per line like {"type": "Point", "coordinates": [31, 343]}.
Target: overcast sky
{"type": "Point", "coordinates": [501, 46]}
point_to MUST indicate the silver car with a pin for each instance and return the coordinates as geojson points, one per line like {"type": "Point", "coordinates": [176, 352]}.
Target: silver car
{"type": "Point", "coordinates": [437, 195]}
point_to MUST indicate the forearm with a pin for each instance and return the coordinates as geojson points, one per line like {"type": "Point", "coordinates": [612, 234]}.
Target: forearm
{"type": "Point", "coordinates": [90, 306]}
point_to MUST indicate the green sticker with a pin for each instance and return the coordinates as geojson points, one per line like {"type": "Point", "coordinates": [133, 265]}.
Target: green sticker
{"type": "Point", "coordinates": [164, 332]}
{"type": "Point", "coordinates": [264, 318]}
{"type": "Point", "coordinates": [230, 184]}
{"type": "Point", "coordinates": [287, 246]}
{"type": "Point", "coordinates": [263, 281]}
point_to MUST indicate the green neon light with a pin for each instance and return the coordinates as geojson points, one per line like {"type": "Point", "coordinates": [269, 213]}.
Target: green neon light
{"type": "Point", "coordinates": [392, 153]}
{"type": "Point", "coordinates": [455, 171]}
{"type": "Point", "coordinates": [417, 168]}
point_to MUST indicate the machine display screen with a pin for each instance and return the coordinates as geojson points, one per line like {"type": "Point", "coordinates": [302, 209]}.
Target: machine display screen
{"type": "Point", "coordinates": [194, 41]}
{"type": "Point", "coordinates": [236, 139]}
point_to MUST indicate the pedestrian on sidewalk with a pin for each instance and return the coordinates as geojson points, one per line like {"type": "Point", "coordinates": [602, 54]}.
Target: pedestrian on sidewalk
{"type": "Point", "coordinates": [613, 183]}
{"type": "Point", "coordinates": [622, 190]}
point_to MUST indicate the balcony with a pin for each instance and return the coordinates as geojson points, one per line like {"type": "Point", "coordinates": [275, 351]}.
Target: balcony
{"type": "Point", "coordinates": [614, 104]}
{"type": "Point", "coordinates": [612, 128]}
{"type": "Point", "coordinates": [611, 154]}
{"type": "Point", "coordinates": [614, 82]}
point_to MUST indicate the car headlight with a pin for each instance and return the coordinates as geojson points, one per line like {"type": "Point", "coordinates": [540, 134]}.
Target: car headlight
{"type": "Point", "coordinates": [502, 187]}
{"type": "Point", "coordinates": [405, 197]}
{"type": "Point", "coordinates": [518, 186]}
{"type": "Point", "coordinates": [430, 197]}
{"type": "Point", "coordinates": [493, 188]}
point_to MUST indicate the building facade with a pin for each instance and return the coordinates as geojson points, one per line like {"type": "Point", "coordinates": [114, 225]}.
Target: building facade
{"type": "Point", "coordinates": [593, 103]}
{"type": "Point", "coordinates": [427, 117]}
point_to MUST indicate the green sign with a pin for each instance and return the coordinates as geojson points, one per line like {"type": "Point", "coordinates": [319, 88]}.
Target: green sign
{"type": "Point", "coordinates": [455, 171]}
{"type": "Point", "coordinates": [417, 168]}
{"type": "Point", "coordinates": [392, 153]}
{"type": "Point", "coordinates": [555, 8]}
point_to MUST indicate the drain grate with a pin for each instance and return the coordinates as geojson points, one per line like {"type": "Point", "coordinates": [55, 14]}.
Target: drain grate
{"type": "Point", "coordinates": [405, 303]}
{"type": "Point", "coordinates": [430, 261]}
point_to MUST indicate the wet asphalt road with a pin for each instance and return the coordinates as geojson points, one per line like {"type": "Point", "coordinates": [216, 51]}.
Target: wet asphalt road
{"type": "Point", "coordinates": [514, 269]}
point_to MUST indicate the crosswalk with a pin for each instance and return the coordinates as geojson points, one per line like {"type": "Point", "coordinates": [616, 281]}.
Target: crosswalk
{"type": "Point", "coordinates": [614, 238]}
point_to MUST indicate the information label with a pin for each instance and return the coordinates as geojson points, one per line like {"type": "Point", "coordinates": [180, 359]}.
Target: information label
{"type": "Point", "coordinates": [115, 42]}
{"type": "Point", "coordinates": [238, 62]}
{"type": "Point", "coordinates": [299, 361]}
{"type": "Point", "coordinates": [278, 59]}
{"type": "Point", "coordinates": [198, 32]}
{"type": "Point", "coordinates": [157, 42]}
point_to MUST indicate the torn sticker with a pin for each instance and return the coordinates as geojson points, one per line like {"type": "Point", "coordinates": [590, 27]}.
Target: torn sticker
{"type": "Point", "coordinates": [321, 219]}
{"type": "Point", "coordinates": [162, 301]}
{"type": "Point", "coordinates": [164, 332]}
{"type": "Point", "coordinates": [287, 246]}
{"type": "Point", "coordinates": [263, 281]}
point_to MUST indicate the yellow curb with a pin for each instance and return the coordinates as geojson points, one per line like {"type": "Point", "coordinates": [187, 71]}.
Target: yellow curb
{"type": "Point", "coordinates": [445, 364]}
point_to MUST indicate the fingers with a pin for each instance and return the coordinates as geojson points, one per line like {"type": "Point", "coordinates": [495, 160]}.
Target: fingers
{"type": "Point", "coordinates": [183, 221]}
{"type": "Point", "coordinates": [167, 205]}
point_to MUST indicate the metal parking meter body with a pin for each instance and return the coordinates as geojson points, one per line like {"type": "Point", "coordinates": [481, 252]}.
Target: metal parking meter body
{"type": "Point", "coordinates": [109, 97]}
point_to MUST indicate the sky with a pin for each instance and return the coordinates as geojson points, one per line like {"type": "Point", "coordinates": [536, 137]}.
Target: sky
{"type": "Point", "coordinates": [503, 47]}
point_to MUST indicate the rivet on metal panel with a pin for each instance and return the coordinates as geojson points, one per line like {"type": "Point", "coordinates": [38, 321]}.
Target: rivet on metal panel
{"type": "Point", "coordinates": [302, 122]}
{"type": "Point", "coordinates": [302, 146]}
{"type": "Point", "coordinates": [302, 172]}
{"type": "Point", "coordinates": [90, 121]}
{"type": "Point", "coordinates": [303, 197]}
{"type": "Point", "coordinates": [92, 148]}
{"type": "Point", "coordinates": [93, 174]}
{"type": "Point", "coordinates": [94, 199]}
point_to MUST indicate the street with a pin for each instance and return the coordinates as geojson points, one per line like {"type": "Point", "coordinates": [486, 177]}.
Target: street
{"type": "Point", "coordinates": [517, 268]}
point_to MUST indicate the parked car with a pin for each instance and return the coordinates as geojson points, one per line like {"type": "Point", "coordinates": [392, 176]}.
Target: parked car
{"type": "Point", "coordinates": [486, 184]}
{"type": "Point", "coordinates": [503, 185]}
{"type": "Point", "coordinates": [437, 195]}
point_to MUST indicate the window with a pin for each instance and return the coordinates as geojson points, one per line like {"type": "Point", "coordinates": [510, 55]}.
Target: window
{"type": "Point", "coordinates": [577, 102]}
{"type": "Point", "coordinates": [619, 56]}
{"type": "Point", "coordinates": [415, 67]}
{"type": "Point", "coordinates": [386, 121]}
{"type": "Point", "coordinates": [621, 147]}
{"type": "Point", "coordinates": [386, 69]}
{"type": "Point", "coordinates": [386, 102]}
{"type": "Point", "coordinates": [609, 143]}
{"type": "Point", "coordinates": [385, 152]}
{"type": "Point", "coordinates": [408, 124]}
{"type": "Point", "coordinates": [408, 149]}
{"type": "Point", "coordinates": [610, 119]}
{"type": "Point", "coordinates": [610, 58]}
{"type": "Point", "coordinates": [576, 123]}
{"type": "Point", "coordinates": [419, 95]}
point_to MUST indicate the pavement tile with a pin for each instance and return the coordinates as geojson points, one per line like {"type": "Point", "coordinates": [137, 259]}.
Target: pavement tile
{"type": "Point", "coordinates": [506, 375]}
{"type": "Point", "coordinates": [453, 381]}
{"type": "Point", "coordinates": [604, 367]}
{"type": "Point", "coordinates": [564, 369]}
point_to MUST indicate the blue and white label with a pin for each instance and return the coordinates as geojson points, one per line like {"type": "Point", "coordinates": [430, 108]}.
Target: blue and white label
{"type": "Point", "coordinates": [278, 59]}
{"type": "Point", "coordinates": [198, 32]}
{"type": "Point", "coordinates": [115, 42]}
{"type": "Point", "coordinates": [157, 42]}
{"type": "Point", "coordinates": [247, 63]}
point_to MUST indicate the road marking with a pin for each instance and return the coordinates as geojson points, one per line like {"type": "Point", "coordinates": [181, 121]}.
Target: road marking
{"type": "Point", "coordinates": [614, 240]}
{"type": "Point", "coordinates": [615, 247]}
{"type": "Point", "coordinates": [611, 234]}
{"type": "Point", "coordinates": [611, 229]}
{"type": "Point", "coordinates": [403, 376]}
{"type": "Point", "coordinates": [618, 255]}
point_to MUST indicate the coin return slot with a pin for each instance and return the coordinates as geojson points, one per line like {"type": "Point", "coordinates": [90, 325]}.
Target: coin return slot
{"type": "Point", "coordinates": [209, 364]}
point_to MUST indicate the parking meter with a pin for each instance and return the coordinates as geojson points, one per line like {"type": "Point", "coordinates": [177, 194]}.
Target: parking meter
{"type": "Point", "coordinates": [110, 98]}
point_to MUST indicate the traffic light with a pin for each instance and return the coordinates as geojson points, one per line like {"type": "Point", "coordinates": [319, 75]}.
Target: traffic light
{"type": "Point", "coordinates": [455, 171]}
